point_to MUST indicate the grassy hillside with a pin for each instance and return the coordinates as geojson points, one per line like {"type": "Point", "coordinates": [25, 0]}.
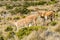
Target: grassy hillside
{"type": "Point", "coordinates": [14, 10]}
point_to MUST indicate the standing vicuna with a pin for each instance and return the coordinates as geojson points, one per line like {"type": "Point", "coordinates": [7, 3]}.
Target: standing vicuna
{"type": "Point", "coordinates": [45, 15]}
{"type": "Point", "coordinates": [50, 15]}
{"type": "Point", "coordinates": [26, 22]}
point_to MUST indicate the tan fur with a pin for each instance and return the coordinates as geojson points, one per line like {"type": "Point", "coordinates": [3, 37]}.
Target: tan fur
{"type": "Point", "coordinates": [31, 19]}
{"type": "Point", "coordinates": [47, 14]}
{"type": "Point", "coordinates": [26, 22]}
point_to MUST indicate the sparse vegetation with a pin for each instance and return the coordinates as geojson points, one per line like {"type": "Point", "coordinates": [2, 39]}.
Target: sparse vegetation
{"type": "Point", "coordinates": [9, 18]}
{"type": "Point", "coordinates": [21, 10]}
{"type": "Point", "coordinates": [23, 16]}
{"type": "Point", "coordinates": [53, 23]}
{"type": "Point", "coordinates": [26, 31]}
{"type": "Point", "coordinates": [52, 2]}
{"type": "Point", "coordinates": [56, 15]}
{"type": "Point", "coordinates": [14, 10]}
{"type": "Point", "coordinates": [16, 18]}
{"type": "Point", "coordinates": [13, 0]}
{"type": "Point", "coordinates": [9, 28]}
{"type": "Point", "coordinates": [11, 34]}
{"type": "Point", "coordinates": [9, 6]}
{"type": "Point", "coordinates": [1, 38]}
{"type": "Point", "coordinates": [34, 3]}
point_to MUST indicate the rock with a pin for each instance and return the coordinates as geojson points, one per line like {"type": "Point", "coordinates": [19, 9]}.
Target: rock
{"type": "Point", "coordinates": [54, 37]}
{"type": "Point", "coordinates": [49, 35]}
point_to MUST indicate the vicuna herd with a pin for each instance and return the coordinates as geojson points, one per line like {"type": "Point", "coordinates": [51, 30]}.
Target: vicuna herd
{"type": "Point", "coordinates": [31, 19]}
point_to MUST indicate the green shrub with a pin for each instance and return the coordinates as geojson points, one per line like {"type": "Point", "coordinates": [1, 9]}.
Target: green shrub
{"type": "Point", "coordinates": [53, 23]}
{"type": "Point", "coordinates": [9, 28]}
{"type": "Point", "coordinates": [14, 0]}
{"type": "Point", "coordinates": [56, 15]}
{"type": "Point", "coordinates": [11, 34]}
{"type": "Point", "coordinates": [52, 2]}
{"type": "Point", "coordinates": [9, 7]}
{"type": "Point", "coordinates": [1, 18]}
{"type": "Point", "coordinates": [17, 10]}
{"type": "Point", "coordinates": [1, 5]}
{"type": "Point", "coordinates": [24, 10]}
{"type": "Point", "coordinates": [9, 18]}
{"type": "Point", "coordinates": [27, 30]}
{"type": "Point", "coordinates": [21, 10]}
{"type": "Point", "coordinates": [2, 0]}
{"type": "Point", "coordinates": [16, 18]}
{"type": "Point", "coordinates": [26, 4]}
{"type": "Point", "coordinates": [12, 12]}
{"type": "Point", "coordinates": [1, 38]}
{"type": "Point", "coordinates": [23, 16]}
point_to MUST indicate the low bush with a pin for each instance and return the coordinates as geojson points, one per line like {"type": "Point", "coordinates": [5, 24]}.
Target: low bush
{"type": "Point", "coordinates": [9, 7]}
{"type": "Point", "coordinates": [27, 30]}
{"type": "Point", "coordinates": [9, 18]}
{"type": "Point", "coordinates": [1, 38]}
{"type": "Point", "coordinates": [52, 2]}
{"type": "Point", "coordinates": [21, 10]}
{"type": "Point", "coordinates": [1, 18]}
{"type": "Point", "coordinates": [14, 0]}
{"type": "Point", "coordinates": [56, 15]}
{"type": "Point", "coordinates": [12, 12]}
{"type": "Point", "coordinates": [26, 4]}
{"type": "Point", "coordinates": [16, 18]}
{"type": "Point", "coordinates": [53, 23]}
{"type": "Point", "coordinates": [11, 34]}
{"type": "Point", "coordinates": [23, 16]}
{"type": "Point", "coordinates": [9, 28]}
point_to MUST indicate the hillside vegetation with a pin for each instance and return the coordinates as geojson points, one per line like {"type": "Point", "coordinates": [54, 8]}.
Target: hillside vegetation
{"type": "Point", "coordinates": [15, 10]}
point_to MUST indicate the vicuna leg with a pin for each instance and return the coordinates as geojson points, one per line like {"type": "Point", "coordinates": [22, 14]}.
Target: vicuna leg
{"type": "Point", "coordinates": [43, 21]}
{"type": "Point", "coordinates": [34, 22]}
{"type": "Point", "coordinates": [46, 18]}
{"type": "Point", "coordinates": [52, 18]}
